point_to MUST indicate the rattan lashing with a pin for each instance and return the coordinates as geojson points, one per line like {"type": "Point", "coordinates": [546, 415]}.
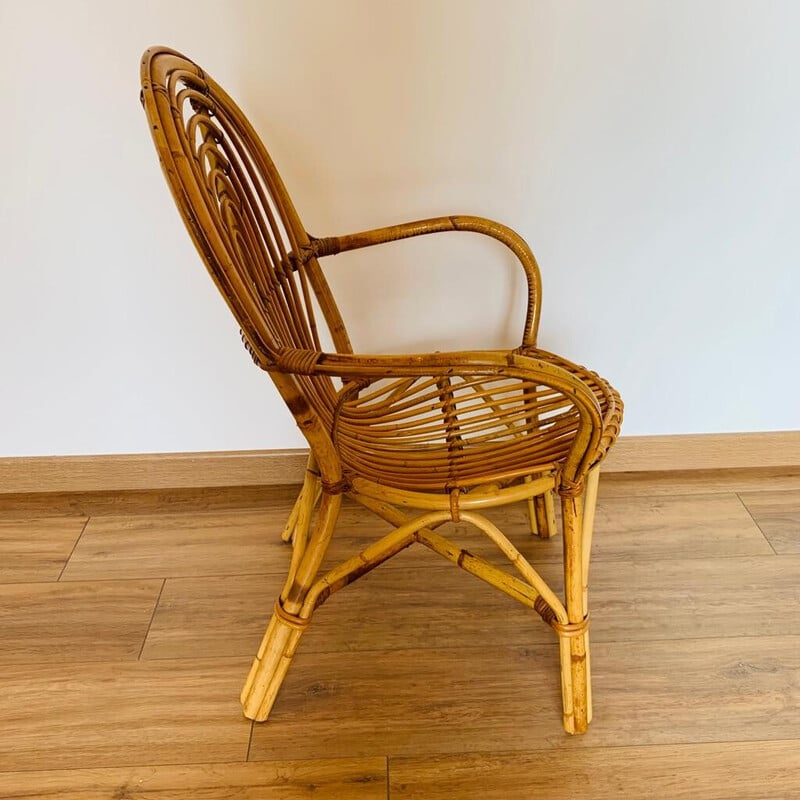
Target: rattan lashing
{"type": "Point", "coordinates": [444, 435]}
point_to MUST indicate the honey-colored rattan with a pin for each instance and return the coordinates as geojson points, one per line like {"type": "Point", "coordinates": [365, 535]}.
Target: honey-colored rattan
{"type": "Point", "coordinates": [419, 440]}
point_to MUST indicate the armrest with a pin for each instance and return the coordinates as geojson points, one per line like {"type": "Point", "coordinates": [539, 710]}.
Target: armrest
{"type": "Point", "coordinates": [331, 245]}
{"type": "Point", "coordinates": [357, 371]}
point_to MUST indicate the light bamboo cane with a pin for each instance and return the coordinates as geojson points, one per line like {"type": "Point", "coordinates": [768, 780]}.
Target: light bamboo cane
{"type": "Point", "coordinates": [444, 434]}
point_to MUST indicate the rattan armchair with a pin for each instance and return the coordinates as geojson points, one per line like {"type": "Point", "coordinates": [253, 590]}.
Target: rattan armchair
{"type": "Point", "coordinates": [419, 440]}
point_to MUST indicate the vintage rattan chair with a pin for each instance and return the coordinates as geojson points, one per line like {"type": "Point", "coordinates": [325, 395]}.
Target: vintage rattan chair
{"type": "Point", "coordinates": [419, 440]}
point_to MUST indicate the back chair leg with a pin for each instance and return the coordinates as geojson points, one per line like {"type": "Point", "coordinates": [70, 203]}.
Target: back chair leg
{"type": "Point", "coordinates": [300, 515]}
{"type": "Point", "coordinates": [544, 506]}
{"type": "Point", "coordinates": [574, 637]}
{"type": "Point", "coordinates": [286, 626]}
{"type": "Point", "coordinates": [542, 513]}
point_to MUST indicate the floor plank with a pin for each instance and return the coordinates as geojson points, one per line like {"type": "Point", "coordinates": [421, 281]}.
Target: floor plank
{"type": "Point", "coordinates": [241, 542]}
{"type": "Point", "coordinates": [389, 609]}
{"type": "Point", "coordinates": [169, 545]}
{"type": "Point", "coordinates": [695, 690]}
{"type": "Point", "coordinates": [633, 484]}
{"type": "Point", "coordinates": [417, 607]}
{"type": "Point", "coordinates": [78, 621]}
{"type": "Point", "coordinates": [214, 617]}
{"type": "Point", "coordinates": [642, 528]}
{"type": "Point", "coordinates": [688, 526]}
{"type": "Point", "coordinates": [412, 702]}
{"type": "Point", "coordinates": [694, 598]}
{"type": "Point", "coordinates": [321, 779]}
{"type": "Point", "coordinates": [696, 654]}
{"type": "Point", "coordinates": [417, 702]}
{"type": "Point", "coordinates": [203, 543]}
{"type": "Point", "coordinates": [735, 771]}
{"type": "Point", "coordinates": [36, 548]}
{"type": "Point", "coordinates": [778, 516]}
{"type": "Point", "coordinates": [55, 716]}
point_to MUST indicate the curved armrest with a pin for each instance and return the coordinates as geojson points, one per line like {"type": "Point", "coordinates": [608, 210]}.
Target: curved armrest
{"type": "Point", "coordinates": [355, 370]}
{"type": "Point", "coordinates": [331, 245]}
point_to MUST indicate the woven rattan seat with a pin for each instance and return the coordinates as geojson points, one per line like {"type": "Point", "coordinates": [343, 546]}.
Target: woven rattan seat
{"type": "Point", "coordinates": [419, 440]}
{"type": "Point", "coordinates": [397, 434]}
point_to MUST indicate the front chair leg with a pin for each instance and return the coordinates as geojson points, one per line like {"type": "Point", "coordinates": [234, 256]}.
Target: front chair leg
{"type": "Point", "coordinates": [574, 637]}
{"type": "Point", "coordinates": [286, 626]}
{"type": "Point", "coordinates": [270, 666]}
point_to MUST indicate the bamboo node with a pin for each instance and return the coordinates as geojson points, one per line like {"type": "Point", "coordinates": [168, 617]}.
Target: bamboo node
{"type": "Point", "coordinates": [455, 512]}
{"type": "Point", "coordinates": [293, 621]}
{"type": "Point", "coordinates": [570, 629]}
{"type": "Point", "coordinates": [568, 488]}
{"type": "Point", "coordinates": [335, 487]}
{"type": "Point", "coordinates": [328, 246]}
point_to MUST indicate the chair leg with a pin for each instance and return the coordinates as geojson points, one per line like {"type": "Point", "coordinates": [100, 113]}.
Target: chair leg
{"type": "Point", "coordinates": [542, 513]}
{"type": "Point", "coordinates": [574, 638]}
{"type": "Point", "coordinates": [544, 506]}
{"type": "Point", "coordinates": [589, 505]}
{"type": "Point", "coordinates": [304, 505]}
{"type": "Point", "coordinates": [286, 626]}
{"type": "Point", "coordinates": [269, 668]}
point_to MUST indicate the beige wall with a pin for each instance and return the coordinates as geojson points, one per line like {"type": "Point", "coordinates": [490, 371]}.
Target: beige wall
{"type": "Point", "coordinates": [648, 151]}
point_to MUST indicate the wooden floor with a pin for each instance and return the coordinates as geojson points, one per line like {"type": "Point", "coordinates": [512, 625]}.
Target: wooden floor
{"type": "Point", "coordinates": [127, 625]}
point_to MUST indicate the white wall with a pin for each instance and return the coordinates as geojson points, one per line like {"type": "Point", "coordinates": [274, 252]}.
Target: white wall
{"type": "Point", "coordinates": [648, 151]}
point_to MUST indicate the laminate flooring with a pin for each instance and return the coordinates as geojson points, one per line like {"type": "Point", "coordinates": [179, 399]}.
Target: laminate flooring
{"type": "Point", "coordinates": [128, 622]}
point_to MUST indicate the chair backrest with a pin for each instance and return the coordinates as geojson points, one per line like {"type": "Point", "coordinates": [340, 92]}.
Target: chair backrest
{"type": "Point", "coordinates": [238, 212]}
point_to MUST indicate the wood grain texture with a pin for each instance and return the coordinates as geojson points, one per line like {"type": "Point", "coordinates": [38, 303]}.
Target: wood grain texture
{"type": "Point", "coordinates": [169, 471]}
{"type": "Point", "coordinates": [613, 484]}
{"type": "Point", "coordinates": [215, 498]}
{"type": "Point", "coordinates": [735, 771]}
{"type": "Point", "coordinates": [170, 545]}
{"type": "Point", "coordinates": [178, 544]}
{"type": "Point", "coordinates": [405, 608]}
{"type": "Point", "coordinates": [243, 541]}
{"type": "Point", "coordinates": [58, 716]}
{"type": "Point", "coordinates": [77, 621]}
{"type": "Point", "coordinates": [705, 451]}
{"type": "Point", "coordinates": [149, 471]}
{"type": "Point", "coordinates": [696, 526]}
{"type": "Point", "coordinates": [778, 516]}
{"type": "Point", "coordinates": [695, 660]}
{"type": "Point", "coordinates": [211, 616]}
{"type": "Point", "coordinates": [420, 702]}
{"type": "Point", "coordinates": [320, 779]}
{"type": "Point", "coordinates": [36, 549]}
{"type": "Point", "coordinates": [622, 484]}
{"type": "Point", "coordinates": [409, 702]}
{"type": "Point", "coordinates": [439, 606]}
{"type": "Point", "coordinates": [640, 527]}
{"type": "Point", "coordinates": [684, 599]}
{"type": "Point", "coordinates": [710, 690]}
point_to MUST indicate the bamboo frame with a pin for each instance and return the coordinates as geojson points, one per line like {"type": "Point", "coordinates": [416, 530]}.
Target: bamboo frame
{"type": "Point", "coordinates": [445, 435]}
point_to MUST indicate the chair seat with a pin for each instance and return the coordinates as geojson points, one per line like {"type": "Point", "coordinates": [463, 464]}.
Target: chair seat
{"type": "Point", "coordinates": [400, 432]}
